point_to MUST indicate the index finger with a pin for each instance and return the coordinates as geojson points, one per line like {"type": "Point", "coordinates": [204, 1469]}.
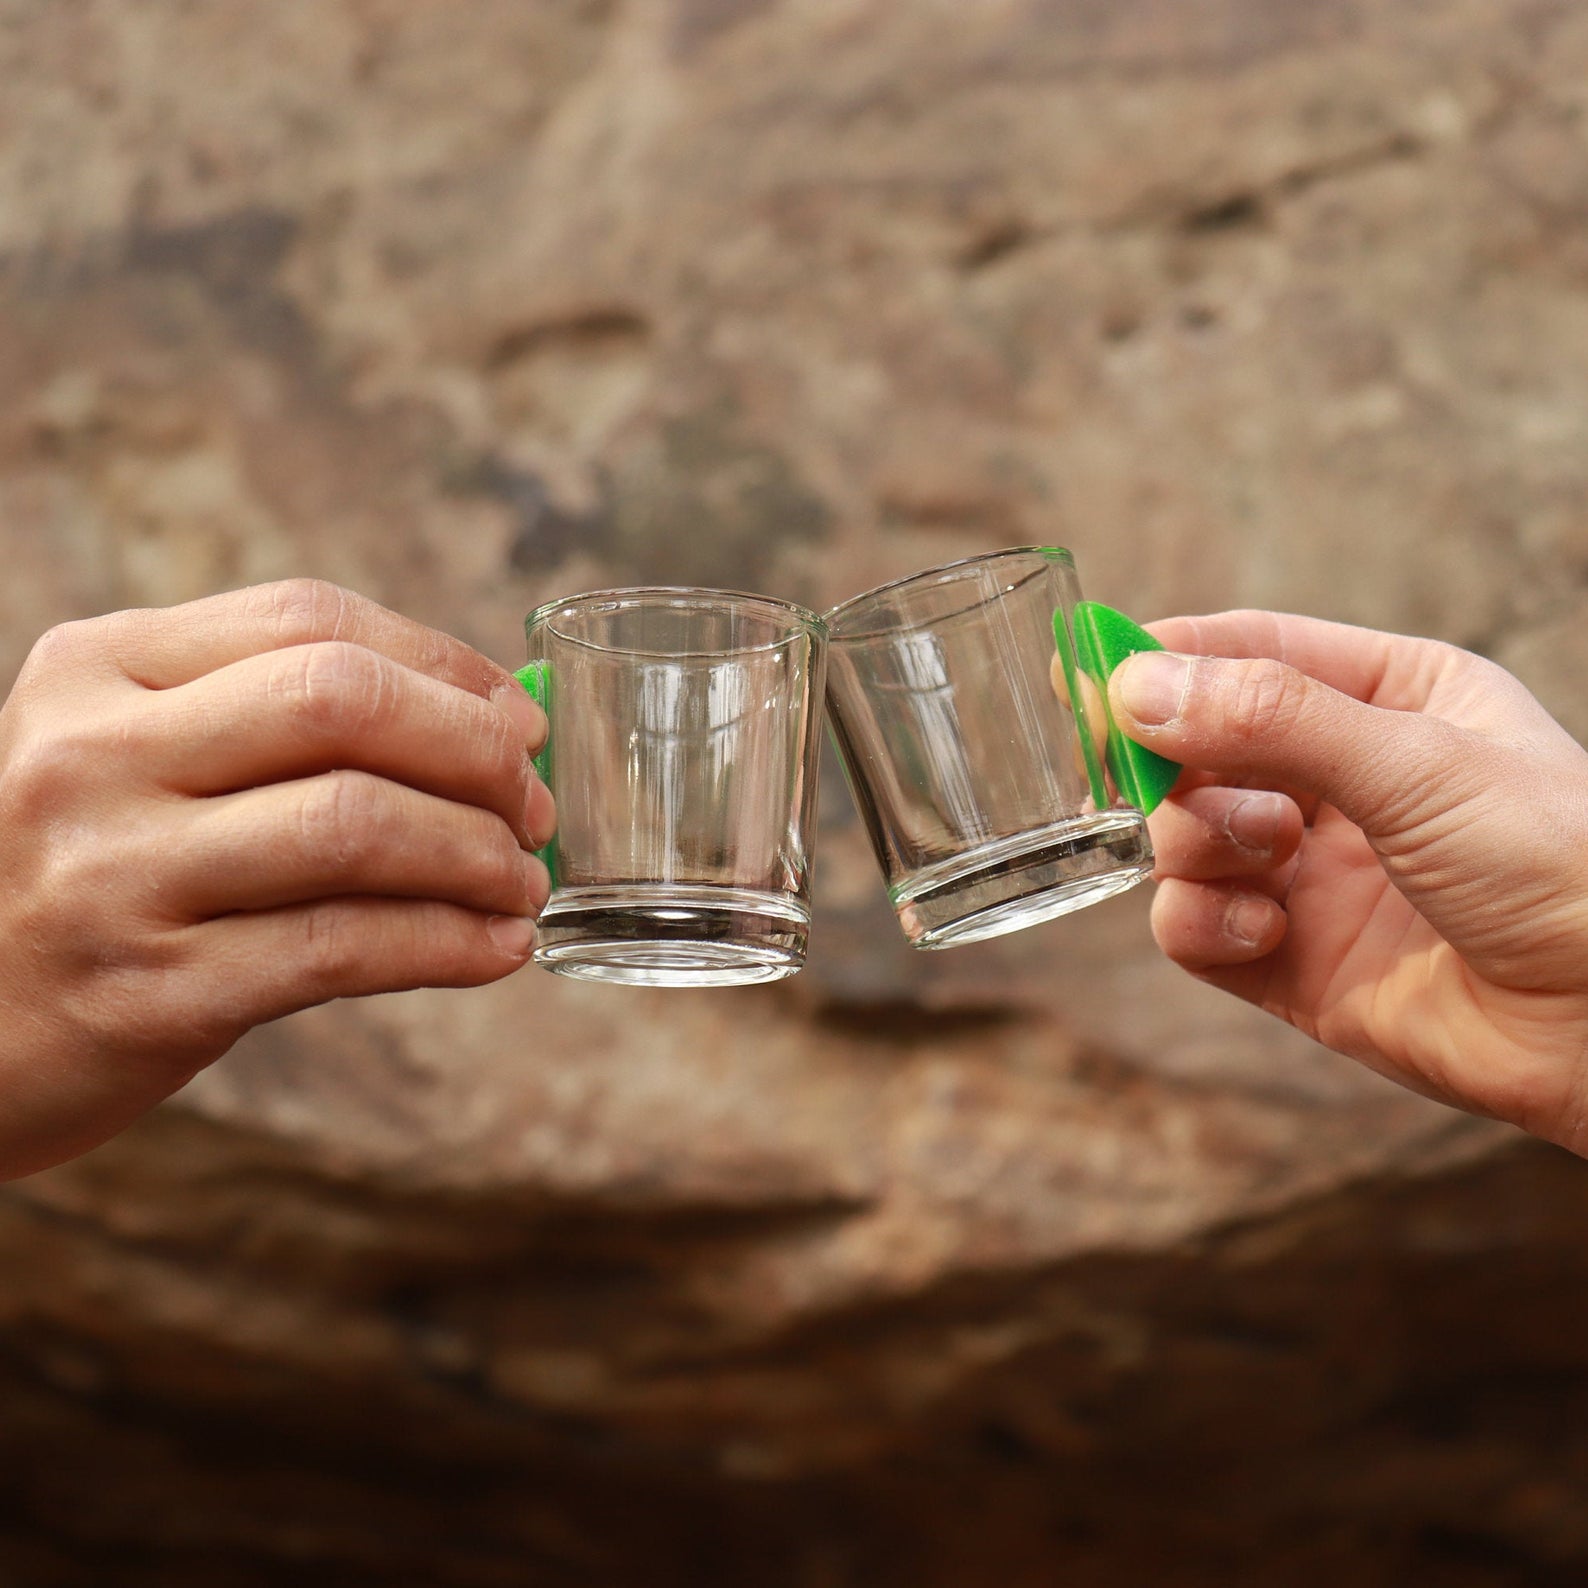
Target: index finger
{"type": "Point", "coordinates": [1391, 670]}
{"type": "Point", "coordinates": [164, 648]}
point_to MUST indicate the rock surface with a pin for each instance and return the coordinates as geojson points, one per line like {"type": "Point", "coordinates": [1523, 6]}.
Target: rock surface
{"type": "Point", "coordinates": [1028, 1262]}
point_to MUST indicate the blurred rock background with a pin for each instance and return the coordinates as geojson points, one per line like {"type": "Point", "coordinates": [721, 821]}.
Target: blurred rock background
{"type": "Point", "coordinates": [1024, 1264]}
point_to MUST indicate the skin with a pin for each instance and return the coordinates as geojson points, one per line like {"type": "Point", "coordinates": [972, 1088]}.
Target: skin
{"type": "Point", "coordinates": [218, 813]}
{"type": "Point", "coordinates": [1384, 842]}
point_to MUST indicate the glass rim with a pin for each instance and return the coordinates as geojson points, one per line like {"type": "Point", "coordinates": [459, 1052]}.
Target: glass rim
{"type": "Point", "coordinates": [1049, 554]}
{"type": "Point", "coordinates": [804, 619]}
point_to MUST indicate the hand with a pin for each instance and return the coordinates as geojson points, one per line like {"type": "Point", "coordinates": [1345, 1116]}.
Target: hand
{"type": "Point", "coordinates": [221, 812]}
{"type": "Point", "coordinates": [1415, 891]}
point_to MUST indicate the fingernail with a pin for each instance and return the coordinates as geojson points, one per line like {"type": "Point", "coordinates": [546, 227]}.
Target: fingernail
{"type": "Point", "coordinates": [1152, 686]}
{"type": "Point", "coordinates": [526, 713]}
{"type": "Point", "coordinates": [1249, 919]}
{"type": "Point", "coordinates": [1059, 679]}
{"type": "Point", "coordinates": [513, 934]}
{"type": "Point", "coordinates": [1254, 822]}
{"type": "Point", "coordinates": [540, 813]}
{"type": "Point", "coordinates": [537, 879]}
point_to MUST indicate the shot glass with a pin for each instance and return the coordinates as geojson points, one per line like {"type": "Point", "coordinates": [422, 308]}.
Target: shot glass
{"type": "Point", "coordinates": [983, 786]}
{"type": "Point", "coordinates": [683, 756]}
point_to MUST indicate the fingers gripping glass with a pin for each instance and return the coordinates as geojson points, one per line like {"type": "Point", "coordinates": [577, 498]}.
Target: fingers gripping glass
{"type": "Point", "coordinates": [969, 707]}
{"type": "Point", "coordinates": [682, 754]}
{"type": "Point", "coordinates": [969, 704]}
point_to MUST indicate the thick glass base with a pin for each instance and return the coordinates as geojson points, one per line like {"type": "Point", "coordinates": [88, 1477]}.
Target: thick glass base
{"type": "Point", "coordinates": [1017, 882]}
{"type": "Point", "coordinates": [663, 934]}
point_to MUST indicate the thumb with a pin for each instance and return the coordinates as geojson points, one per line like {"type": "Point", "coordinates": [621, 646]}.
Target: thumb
{"type": "Point", "coordinates": [1262, 722]}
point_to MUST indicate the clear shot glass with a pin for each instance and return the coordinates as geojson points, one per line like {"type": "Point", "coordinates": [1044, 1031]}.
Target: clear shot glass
{"type": "Point", "coordinates": [683, 756]}
{"type": "Point", "coordinates": [982, 785]}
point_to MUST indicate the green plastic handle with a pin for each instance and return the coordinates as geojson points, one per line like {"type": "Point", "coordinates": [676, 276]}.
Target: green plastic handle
{"type": "Point", "coordinates": [1103, 639]}
{"type": "Point", "coordinates": [536, 679]}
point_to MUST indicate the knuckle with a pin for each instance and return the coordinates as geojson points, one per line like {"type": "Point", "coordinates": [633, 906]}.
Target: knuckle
{"type": "Point", "coordinates": [500, 747]}
{"type": "Point", "coordinates": [1479, 672]}
{"type": "Point", "coordinates": [331, 945]}
{"type": "Point", "coordinates": [506, 866]}
{"type": "Point", "coordinates": [63, 648]}
{"type": "Point", "coordinates": [48, 768]}
{"type": "Point", "coordinates": [1439, 664]}
{"type": "Point", "coordinates": [71, 874]}
{"type": "Point", "coordinates": [341, 815]}
{"type": "Point", "coordinates": [492, 758]}
{"type": "Point", "coordinates": [39, 767]}
{"type": "Point", "coordinates": [301, 611]}
{"type": "Point", "coordinates": [333, 688]}
{"type": "Point", "coordinates": [1266, 701]}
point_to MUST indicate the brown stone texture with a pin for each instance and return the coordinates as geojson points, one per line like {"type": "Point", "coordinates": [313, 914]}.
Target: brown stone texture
{"type": "Point", "coordinates": [1023, 1264]}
